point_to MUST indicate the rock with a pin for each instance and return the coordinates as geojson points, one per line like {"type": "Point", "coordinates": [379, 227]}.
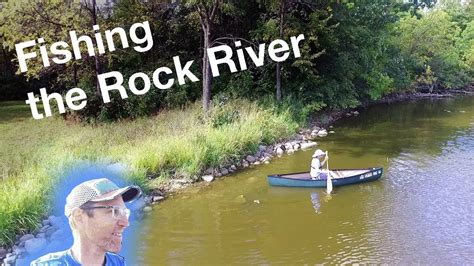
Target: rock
{"type": "Point", "coordinates": [258, 154]}
{"type": "Point", "coordinates": [217, 173]}
{"type": "Point", "coordinates": [266, 159]}
{"type": "Point", "coordinates": [224, 171]}
{"type": "Point", "coordinates": [233, 168]}
{"type": "Point", "coordinates": [55, 221]}
{"type": "Point", "coordinates": [322, 133]}
{"type": "Point", "coordinates": [41, 235]}
{"type": "Point", "coordinates": [245, 164]}
{"type": "Point", "coordinates": [59, 234]}
{"type": "Point", "coordinates": [50, 231]}
{"type": "Point", "coordinates": [267, 155]}
{"type": "Point", "coordinates": [279, 151]}
{"type": "Point", "coordinates": [290, 151]}
{"type": "Point", "coordinates": [157, 198]}
{"type": "Point", "coordinates": [26, 237]}
{"type": "Point", "coordinates": [44, 228]}
{"type": "Point", "coordinates": [147, 209]}
{"type": "Point", "coordinates": [355, 113]}
{"type": "Point", "coordinates": [330, 126]}
{"type": "Point", "coordinates": [250, 159]}
{"type": "Point", "coordinates": [45, 222]}
{"type": "Point", "coordinates": [288, 146]}
{"type": "Point", "coordinates": [296, 146]}
{"type": "Point", "coordinates": [256, 163]}
{"type": "Point", "coordinates": [308, 145]}
{"type": "Point", "coordinates": [148, 199]}
{"type": "Point", "coordinates": [262, 148]}
{"type": "Point", "coordinates": [209, 171]}
{"type": "Point", "coordinates": [10, 260]}
{"type": "Point", "coordinates": [348, 114]}
{"type": "Point", "coordinates": [18, 250]}
{"type": "Point", "coordinates": [316, 128]}
{"type": "Point", "coordinates": [3, 253]}
{"type": "Point", "coordinates": [207, 178]}
{"type": "Point", "coordinates": [305, 131]}
{"type": "Point", "coordinates": [256, 201]}
{"type": "Point", "coordinates": [266, 162]}
{"type": "Point", "coordinates": [182, 181]}
{"type": "Point", "coordinates": [34, 245]}
{"type": "Point", "coordinates": [159, 193]}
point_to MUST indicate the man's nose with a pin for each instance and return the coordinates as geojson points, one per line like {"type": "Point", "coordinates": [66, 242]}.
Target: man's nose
{"type": "Point", "coordinates": [123, 221]}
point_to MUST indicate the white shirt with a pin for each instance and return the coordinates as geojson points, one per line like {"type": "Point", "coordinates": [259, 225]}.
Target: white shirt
{"type": "Point", "coordinates": [315, 167]}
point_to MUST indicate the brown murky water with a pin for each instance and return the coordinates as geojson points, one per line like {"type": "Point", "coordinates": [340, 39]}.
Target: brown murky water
{"type": "Point", "coordinates": [420, 211]}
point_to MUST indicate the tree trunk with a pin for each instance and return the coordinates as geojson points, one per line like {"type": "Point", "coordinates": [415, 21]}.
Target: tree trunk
{"type": "Point", "coordinates": [96, 57]}
{"type": "Point", "coordinates": [278, 64]}
{"type": "Point", "coordinates": [206, 70]}
{"type": "Point", "coordinates": [6, 62]}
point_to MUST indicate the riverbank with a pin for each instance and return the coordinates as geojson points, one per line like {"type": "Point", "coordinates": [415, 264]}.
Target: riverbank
{"type": "Point", "coordinates": [175, 143]}
{"type": "Point", "coordinates": [239, 135]}
{"type": "Point", "coordinates": [319, 125]}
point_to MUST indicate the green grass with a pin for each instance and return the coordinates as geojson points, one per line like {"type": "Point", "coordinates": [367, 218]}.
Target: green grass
{"type": "Point", "coordinates": [34, 153]}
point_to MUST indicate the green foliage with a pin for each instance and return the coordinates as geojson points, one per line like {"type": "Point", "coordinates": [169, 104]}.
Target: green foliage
{"type": "Point", "coordinates": [222, 114]}
{"type": "Point", "coordinates": [379, 84]}
{"type": "Point", "coordinates": [173, 142]}
{"type": "Point", "coordinates": [51, 20]}
{"type": "Point", "coordinates": [353, 52]}
{"type": "Point", "coordinates": [436, 43]}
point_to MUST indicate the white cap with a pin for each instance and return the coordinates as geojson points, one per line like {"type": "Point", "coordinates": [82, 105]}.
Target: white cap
{"type": "Point", "coordinates": [318, 153]}
{"type": "Point", "coordinates": [97, 190]}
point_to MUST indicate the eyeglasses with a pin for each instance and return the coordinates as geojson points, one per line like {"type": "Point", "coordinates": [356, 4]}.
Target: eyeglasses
{"type": "Point", "coordinates": [117, 212]}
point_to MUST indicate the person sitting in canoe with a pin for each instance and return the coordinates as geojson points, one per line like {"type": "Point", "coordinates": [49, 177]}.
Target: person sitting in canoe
{"type": "Point", "coordinates": [319, 159]}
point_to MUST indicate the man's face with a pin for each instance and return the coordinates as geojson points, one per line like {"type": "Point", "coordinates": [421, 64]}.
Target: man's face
{"type": "Point", "coordinates": [103, 229]}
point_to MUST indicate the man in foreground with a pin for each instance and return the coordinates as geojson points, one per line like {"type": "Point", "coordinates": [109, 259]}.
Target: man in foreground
{"type": "Point", "coordinates": [97, 216]}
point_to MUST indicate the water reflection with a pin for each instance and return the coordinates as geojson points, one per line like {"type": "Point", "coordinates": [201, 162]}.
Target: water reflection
{"type": "Point", "coordinates": [420, 211]}
{"type": "Point", "coordinates": [315, 201]}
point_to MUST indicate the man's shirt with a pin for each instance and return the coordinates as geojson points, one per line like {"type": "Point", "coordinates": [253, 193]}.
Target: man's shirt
{"type": "Point", "coordinates": [65, 258]}
{"type": "Point", "coordinates": [315, 167]}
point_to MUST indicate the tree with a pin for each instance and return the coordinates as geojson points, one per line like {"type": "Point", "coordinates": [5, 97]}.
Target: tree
{"type": "Point", "coordinates": [52, 20]}
{"type": "Point", "coordinates": [208, 11]}
{"type": "Point", "coordinates": [431, 41]}
{"type": "Point", "coordinates": [92, 8]}
{"type": "Point", "coordinates": [282, 19]}
{"type": "Point", "coordinates": [415, 5]}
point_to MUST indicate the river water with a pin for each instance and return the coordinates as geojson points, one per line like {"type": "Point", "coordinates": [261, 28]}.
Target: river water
{"type": "Point", "coordinates": [420, 211]}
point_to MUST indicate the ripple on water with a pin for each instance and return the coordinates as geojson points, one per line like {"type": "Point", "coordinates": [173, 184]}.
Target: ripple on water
{"type": "Point", "coordinates": [431, 200]}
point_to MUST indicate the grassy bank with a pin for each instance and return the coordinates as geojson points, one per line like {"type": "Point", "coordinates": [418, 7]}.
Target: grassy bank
{"type": "Point", "coordinates": [34, 153]}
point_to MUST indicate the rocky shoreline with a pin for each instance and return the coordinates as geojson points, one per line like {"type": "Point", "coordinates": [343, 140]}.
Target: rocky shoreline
{"type": "Point", "coordinates": [50, 234]}
{"type": "Point", "coordinates": [51, 231]}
